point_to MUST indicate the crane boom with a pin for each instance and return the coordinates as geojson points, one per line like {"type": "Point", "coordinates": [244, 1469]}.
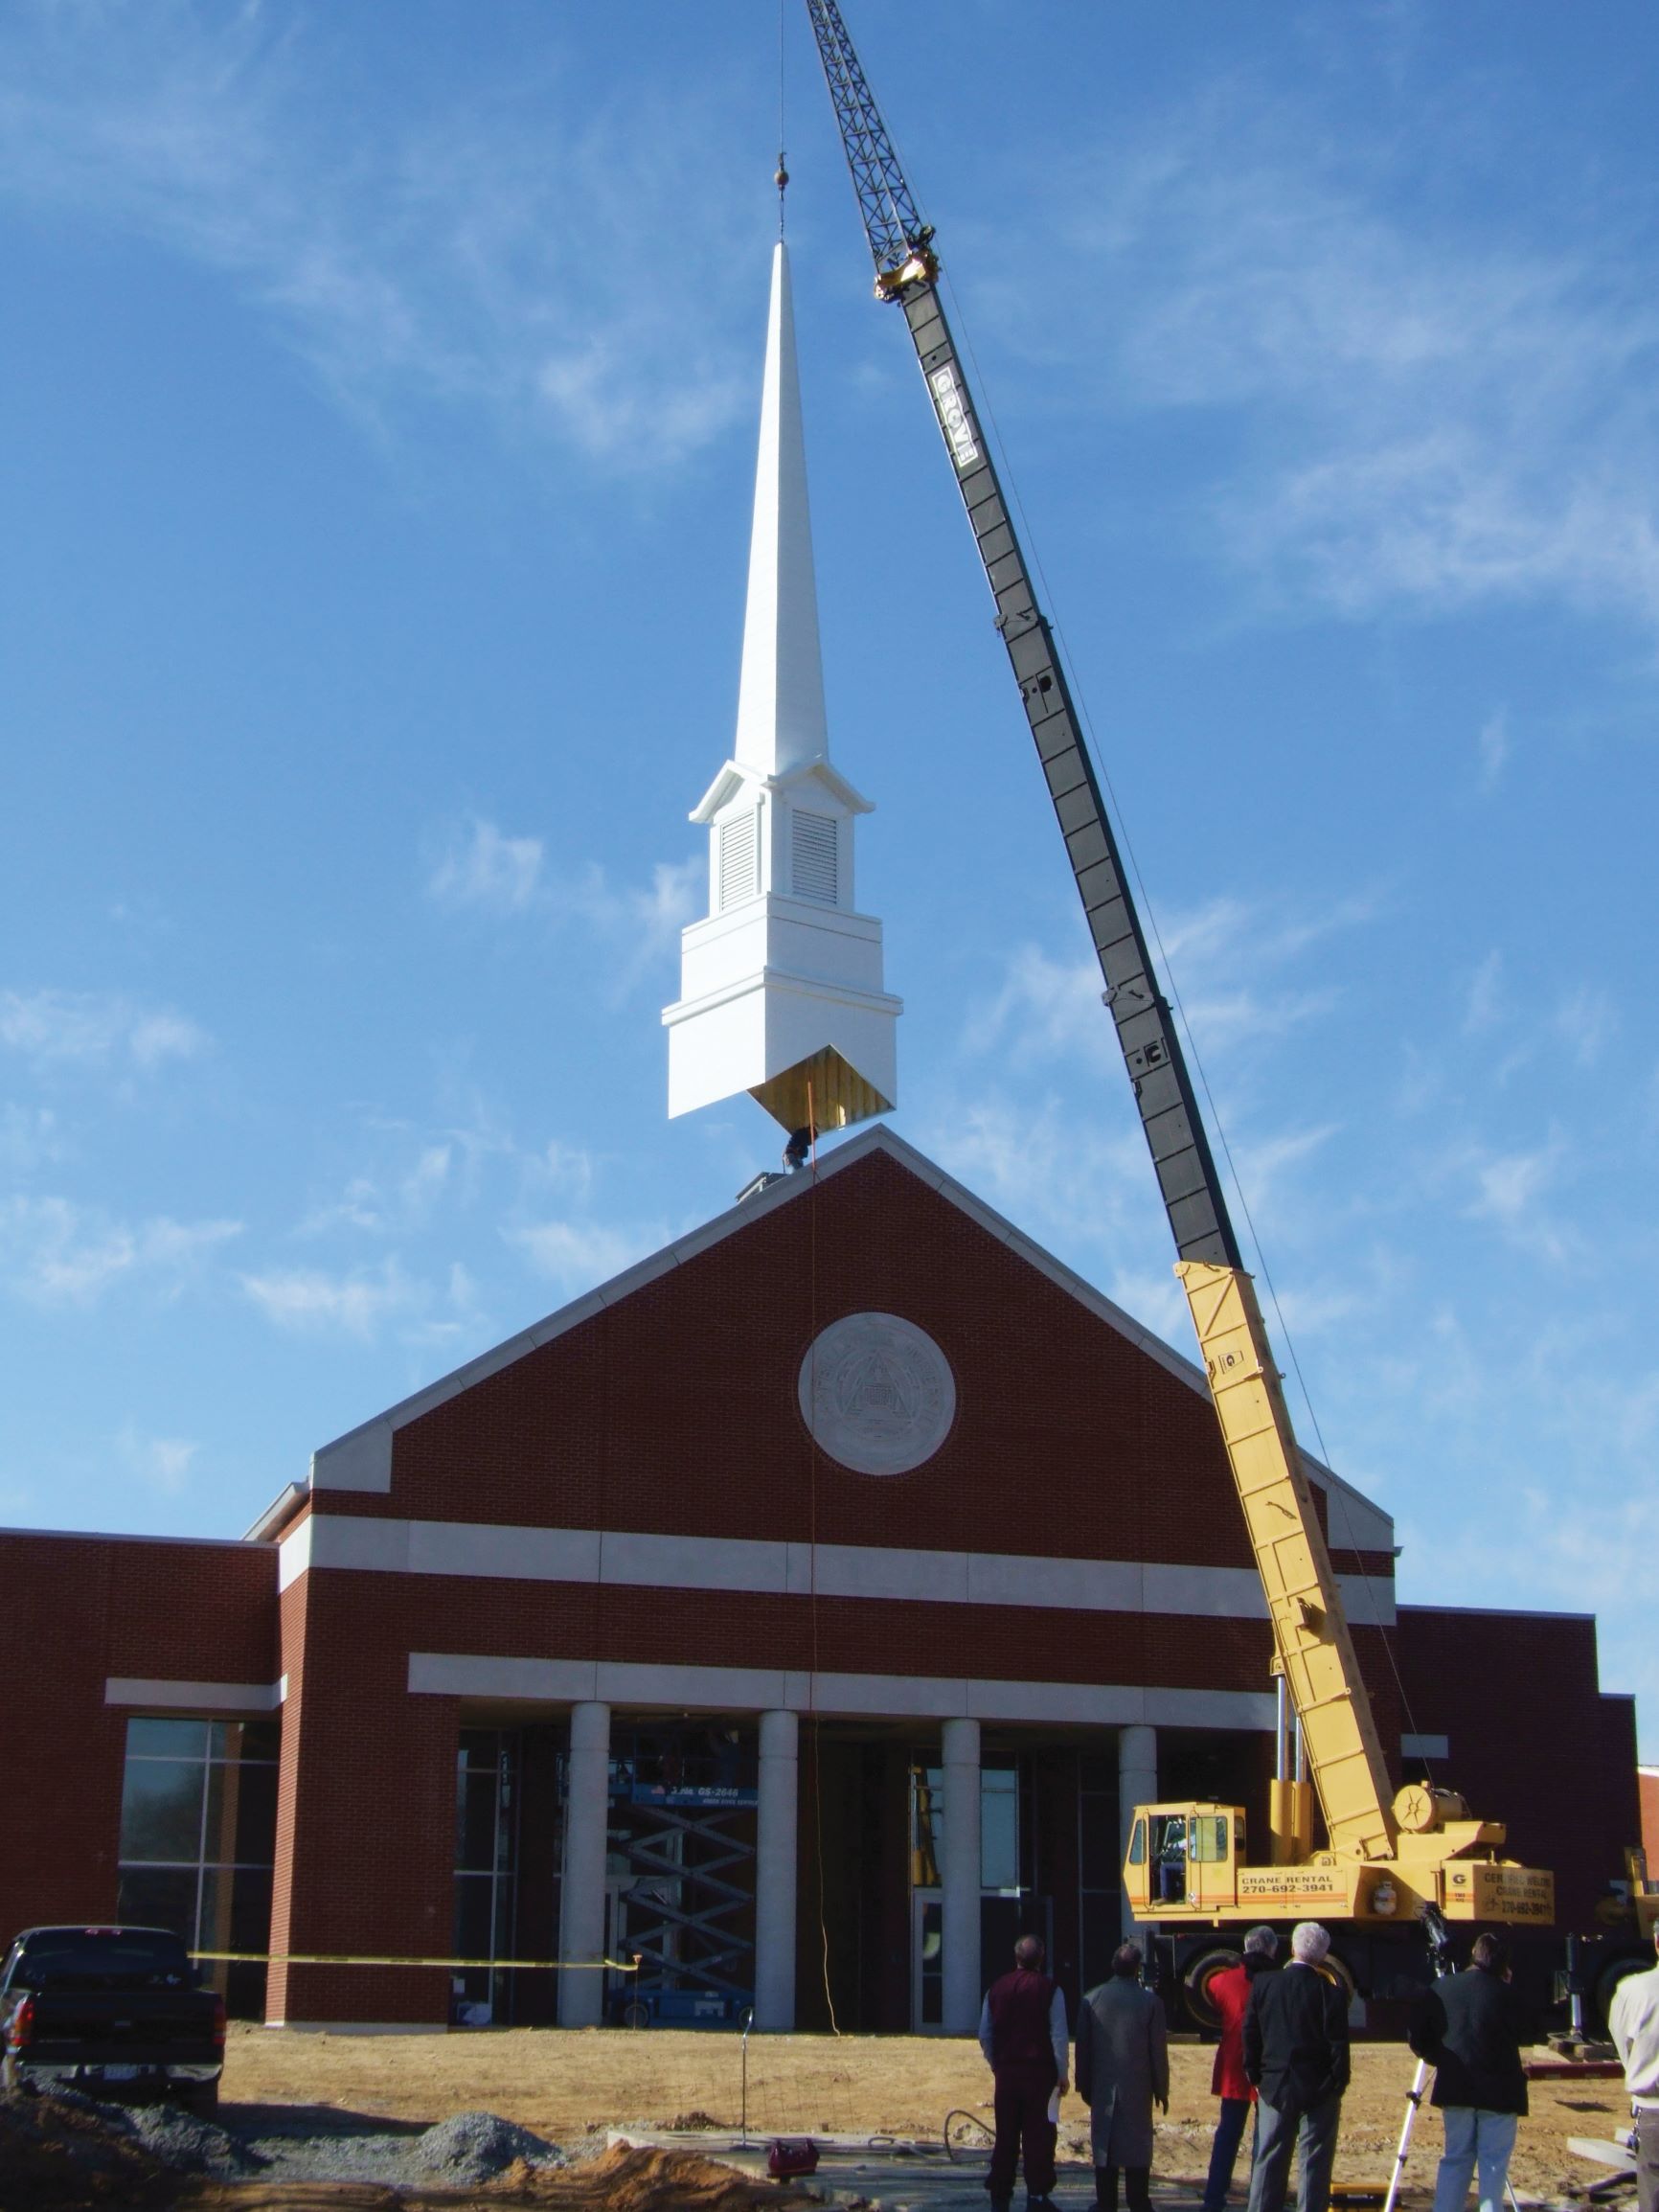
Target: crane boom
{"type": "Point", "coordinates": [1314, 1649]}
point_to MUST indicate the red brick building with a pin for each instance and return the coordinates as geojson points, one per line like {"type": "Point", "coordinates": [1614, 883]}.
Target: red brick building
{"type": "Point", "coordinates": [596, 1647]}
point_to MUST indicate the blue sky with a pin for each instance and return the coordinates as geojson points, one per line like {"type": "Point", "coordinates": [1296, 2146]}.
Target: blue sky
{"type": "Point", "coordinates": [380, 402]}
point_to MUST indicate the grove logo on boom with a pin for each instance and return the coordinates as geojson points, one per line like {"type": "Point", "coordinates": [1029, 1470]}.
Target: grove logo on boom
{"type": "Point", "coordinates": [953, 417]}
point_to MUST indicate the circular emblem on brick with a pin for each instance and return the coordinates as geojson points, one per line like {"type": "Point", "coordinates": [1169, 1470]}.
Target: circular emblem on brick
{"type": "Point", "coordinates": [878, 1393]}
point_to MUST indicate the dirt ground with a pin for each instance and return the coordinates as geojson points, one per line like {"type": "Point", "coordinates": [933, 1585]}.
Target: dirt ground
{"type": "Point", "coordinates": [623, 2181]}
{"type": "Point", "coordinates": [566, 2084]}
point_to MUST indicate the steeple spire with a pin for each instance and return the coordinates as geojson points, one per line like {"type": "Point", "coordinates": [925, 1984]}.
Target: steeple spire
{"type": "Point", "coordinates": [781, 985]}
{"type": "Point", "coordinates": [781, 719]}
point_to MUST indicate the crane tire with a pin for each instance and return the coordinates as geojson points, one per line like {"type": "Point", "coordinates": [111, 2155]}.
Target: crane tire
{"type": "Point", "coordinates": [1196, 1980]}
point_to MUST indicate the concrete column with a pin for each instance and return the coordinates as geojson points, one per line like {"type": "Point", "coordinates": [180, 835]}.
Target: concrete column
{"type": "Point", "coordinates": [775, 1873]}
{"type": "Point", "coordinates": [581, 1890]}
{"type": "Point", "coordinates": [1137, 1785]}
{"type": "Point", "coordinates": [959, 1879]}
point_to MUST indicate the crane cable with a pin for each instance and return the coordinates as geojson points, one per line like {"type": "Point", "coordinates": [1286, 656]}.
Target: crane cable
{"type": "Point", "coordinates": [813, 1717]}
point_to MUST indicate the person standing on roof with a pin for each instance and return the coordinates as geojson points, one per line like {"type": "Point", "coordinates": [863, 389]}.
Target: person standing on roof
{"type": "Point", "coordinates": [1469, 2028]}
{"type": "Point", "coordinates": [1296, 2056]}
{"type": "Point", "coordinates": [1123, 2068]}
{"type": "Point", "coordinates": [1022, 2032]}
{"type": "Point", "coordinates": [1229, 1992]}
{"type": "Point", "coordinates": [1633, 2023]}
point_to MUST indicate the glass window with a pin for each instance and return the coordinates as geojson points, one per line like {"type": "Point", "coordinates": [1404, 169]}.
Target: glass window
{"type": "Point", "coordinates": [485, 1832]}
{"type": "Point", "coordinates": [160, 1896]}
{"type": "Point", "coordinates": [166, 1739]}
{"type": "Point", "coordinates": [1210, 1839]}
{"type": "Point", "coordinates": [161, 1808]}
{"type": "Point", "coordinates": [198, 1838]}
{"type": "Point", "coordinates": [1138, 1845]}
{"type": "Point", "coordinates": [999, 1828]}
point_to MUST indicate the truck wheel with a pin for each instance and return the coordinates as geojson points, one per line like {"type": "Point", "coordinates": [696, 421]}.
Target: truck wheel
{"type": "Point", "coordinates": [1196, 1980]}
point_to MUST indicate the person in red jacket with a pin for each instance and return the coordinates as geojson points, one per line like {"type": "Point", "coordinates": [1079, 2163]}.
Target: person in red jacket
{"type": "Point", "coordinates": [1230, 1994]}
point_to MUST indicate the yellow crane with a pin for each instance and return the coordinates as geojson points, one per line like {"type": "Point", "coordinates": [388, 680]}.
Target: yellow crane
{"type": "Point", "coordinates": [1386, 1853]}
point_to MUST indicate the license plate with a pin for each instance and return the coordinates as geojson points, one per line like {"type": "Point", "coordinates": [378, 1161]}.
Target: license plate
{"type": "Point", "coordinates": [120, 2073]}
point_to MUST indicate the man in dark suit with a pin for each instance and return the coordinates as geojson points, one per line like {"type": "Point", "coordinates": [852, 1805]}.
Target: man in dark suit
{"type": "Point", "coordinates": [1469, 2028]}
{"type": "Point", "coordinates": [1296, 2056]}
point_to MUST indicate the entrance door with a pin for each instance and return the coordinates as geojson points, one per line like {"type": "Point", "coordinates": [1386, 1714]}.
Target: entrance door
{"type": "Point", "coordinates": [926, 1962]}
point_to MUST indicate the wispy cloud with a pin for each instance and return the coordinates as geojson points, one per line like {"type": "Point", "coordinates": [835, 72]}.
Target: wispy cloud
{"type": "Point", "coordinates": [1429, 415]}
{"type": "Point", "coordinates": [388, 1206]}
{"type": "Point", "coordinates": [162, 1463]}
{"type": "Point", "coordinates": [1493, 745]}
{"type": "Point", "coordinates": [53, 1029]}
{"type": "Point", "coordinates": [526, 251]}
{"type": "Point", "coordinates": [1052, 1008]}
{"type": "Point", "coordinates": [1509, 1190]}
{"type": "Point", "coordinates": [484, 868]}
{"type": "Point", "coordinates": [577, 1254]}
{"type": "Point", "coordinates": [359, 1304]}
{"type": "Point", "coordinates": [1484, 999]}
{"type": "Point", "coordinates": [30, 1137]}
{"type": "Point", "coordinates": [53, 1252]}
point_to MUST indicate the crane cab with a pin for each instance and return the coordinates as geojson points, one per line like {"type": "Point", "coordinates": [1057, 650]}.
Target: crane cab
{"type": "Point", "coordinates": [1183, 1860]}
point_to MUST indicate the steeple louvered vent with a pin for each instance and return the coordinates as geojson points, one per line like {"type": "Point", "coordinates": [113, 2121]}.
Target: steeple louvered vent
{"type": "Point", "coordinates": [812, 857]}
{"type": "Point", "coordinates": [739, 851]}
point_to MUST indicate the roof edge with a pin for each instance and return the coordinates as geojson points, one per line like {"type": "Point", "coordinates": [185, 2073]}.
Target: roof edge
{"type": "Point", "coordinates": [878, 1137]}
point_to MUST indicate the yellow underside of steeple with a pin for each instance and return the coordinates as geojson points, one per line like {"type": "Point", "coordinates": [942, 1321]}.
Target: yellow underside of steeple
{"type": "Point", "coordinates": [822, 1093]}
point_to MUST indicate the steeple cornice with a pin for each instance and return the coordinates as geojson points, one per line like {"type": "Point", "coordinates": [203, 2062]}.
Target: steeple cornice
{"type": "Point", "coordinates": [736, 774]}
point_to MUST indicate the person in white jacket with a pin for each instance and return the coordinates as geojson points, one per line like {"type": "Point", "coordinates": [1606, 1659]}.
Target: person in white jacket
{"type": "Point", "coordinates": [1634, 2023]}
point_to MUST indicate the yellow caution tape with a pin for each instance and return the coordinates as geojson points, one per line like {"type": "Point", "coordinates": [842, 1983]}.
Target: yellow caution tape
{"type": "Point", "coordinates": [500, 1964]}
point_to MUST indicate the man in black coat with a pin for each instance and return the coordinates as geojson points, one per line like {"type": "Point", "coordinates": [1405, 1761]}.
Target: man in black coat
{"type": "Point", "coordinates": [1296, 2055]}
{"type": "Point", "coordinates": [1469, 2028]}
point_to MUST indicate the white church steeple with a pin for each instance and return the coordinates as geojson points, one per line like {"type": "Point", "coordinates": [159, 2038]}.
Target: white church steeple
{"type": "Point", "coordinates": [781, 986]}
{"type": "Point", "coordinates": [780, 720]}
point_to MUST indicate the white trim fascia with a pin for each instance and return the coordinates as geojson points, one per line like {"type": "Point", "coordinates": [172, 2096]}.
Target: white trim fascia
{"type": "Point", "coordinates": [281, 1510]}
{"type": "Point", "coordinates": [189, 1696]}
{"type": "Point", "coordinates": [860, 1697]}
{"type": "Point", "coordinates": [878, 1137]}
{"type": "Point", "coordinates": [124, 1535]}
{"type": "Point", "coordinates": [627, 1558]}
{"type": "Point", "coordinates": [730, 779]}
{"type": "Point", "coordinates": [773, 980]}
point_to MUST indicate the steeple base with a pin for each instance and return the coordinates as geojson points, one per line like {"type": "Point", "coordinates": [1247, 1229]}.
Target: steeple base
{"type": "Point", "coordinates": [820, 1093]}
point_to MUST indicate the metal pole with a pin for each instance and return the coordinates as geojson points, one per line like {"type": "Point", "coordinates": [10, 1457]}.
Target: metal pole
{"type": "Point", "coordinates": [1282, 1729]}
{"type": "Point", "coordinates": [748, 2023]}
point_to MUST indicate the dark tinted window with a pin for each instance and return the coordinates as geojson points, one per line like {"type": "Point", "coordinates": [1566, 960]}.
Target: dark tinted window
{"type": "Point", "coordinates": [161, 1810]}
{"type": "Point", "coordinates": [130, 1954]}
{"type": "Point", "coordinates": [166, 1739]}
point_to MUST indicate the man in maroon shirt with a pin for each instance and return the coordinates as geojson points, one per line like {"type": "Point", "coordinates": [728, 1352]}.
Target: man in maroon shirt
{"type": "Point", "coordinates": [1022, 2032]}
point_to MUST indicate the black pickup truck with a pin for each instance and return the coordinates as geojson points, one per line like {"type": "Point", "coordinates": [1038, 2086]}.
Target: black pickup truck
{"type": "Point", "coordinates": [109, 2010]}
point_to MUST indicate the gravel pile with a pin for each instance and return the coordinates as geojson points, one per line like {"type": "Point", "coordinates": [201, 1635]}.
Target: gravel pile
{"type": "Point", "coordinates": [468, 2148]}
{"type": "Point", "coordinates": [477, 2145]}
